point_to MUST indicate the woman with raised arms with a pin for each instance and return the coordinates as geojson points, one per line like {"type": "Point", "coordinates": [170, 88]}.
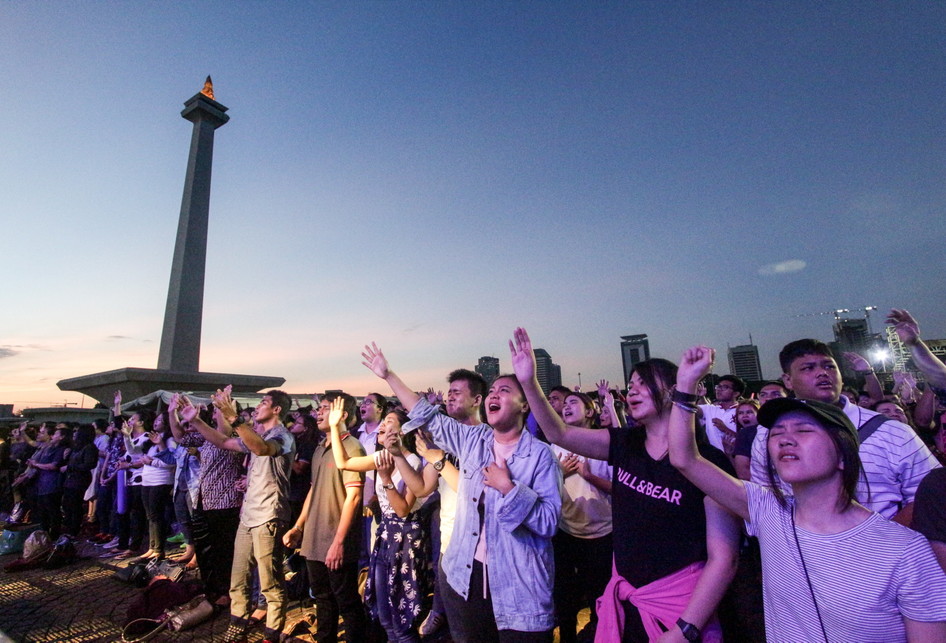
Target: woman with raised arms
{"type": "Point", "coordinates": [499, 563]}
{"type": "Point", "coordinates": [832, 569]}
{"type": "Point", "coordinates": [674, 549]}
{"type": "Point", "coordinates": [398, 575]}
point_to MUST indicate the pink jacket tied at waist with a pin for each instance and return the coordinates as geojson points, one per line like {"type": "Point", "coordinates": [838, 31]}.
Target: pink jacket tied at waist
{"type": "Point", "coordinates": [659, 602]}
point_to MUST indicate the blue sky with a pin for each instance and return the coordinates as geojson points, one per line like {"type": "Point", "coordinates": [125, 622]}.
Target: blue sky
{"type": "Point", "coordinates": [431, 175]}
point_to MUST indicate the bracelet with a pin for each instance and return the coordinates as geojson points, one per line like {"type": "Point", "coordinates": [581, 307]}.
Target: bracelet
{"type": "Point", "coordinates": [684, 398]}
{"type": "Point", "coordinates": [689, 408]}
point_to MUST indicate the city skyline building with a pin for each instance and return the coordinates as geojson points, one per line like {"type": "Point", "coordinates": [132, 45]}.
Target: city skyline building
{"type": "Point", "coordinates": [634, 349]}
{"type": "Point", "coordinates": [488, 368]}
{"type": "Point", "coordinates": [547, 372]}
{"type": "Point", "coordinates": [744, 362]}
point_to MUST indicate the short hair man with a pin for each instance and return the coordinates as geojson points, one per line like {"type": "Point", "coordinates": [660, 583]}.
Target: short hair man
{"type": "Point", "coordinates": [895, 459]}
{"type": "Point", "coordinates": [330, 531]}
{"type": "Point", "coordinates": [265, 512]}
{"type": "Point", "coordinates": [557, 397]}
{"type": "Point", "coordinates": [771, 391]}
{"type": "Point", "coordinates": [719, 418]}
{"type": "Point", "coordinates": [464, 402]}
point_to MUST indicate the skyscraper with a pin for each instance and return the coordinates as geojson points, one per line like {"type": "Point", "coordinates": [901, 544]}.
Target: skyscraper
{"type": "Point", "coordinates": [744, 362]}
{"type": "Point", "coordinates": [634, 349]}
{"type": "Point", "coordinates": [548, 373]}
{"type": "Point", "coordinates": [488, 368]}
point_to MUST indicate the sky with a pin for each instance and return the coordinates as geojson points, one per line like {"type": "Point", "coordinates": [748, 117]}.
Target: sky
{"type": "Point", "coordinates": [430, 175]}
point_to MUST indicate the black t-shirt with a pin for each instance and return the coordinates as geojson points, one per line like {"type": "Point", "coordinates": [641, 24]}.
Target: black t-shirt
{"type": "Point", "coordinates": [659, 516]}
{"type": "Point", "coordinates": [929, 512]}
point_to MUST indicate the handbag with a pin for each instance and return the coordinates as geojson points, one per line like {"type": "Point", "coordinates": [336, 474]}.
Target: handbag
{"type": "Point", "coordinates": [190, 614]}
{"type": "Point", "coordinates": [183, 617]}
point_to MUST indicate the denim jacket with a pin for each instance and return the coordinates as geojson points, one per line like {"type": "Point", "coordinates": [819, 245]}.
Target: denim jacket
{"type": "Point", "coordinates": [519, 526]}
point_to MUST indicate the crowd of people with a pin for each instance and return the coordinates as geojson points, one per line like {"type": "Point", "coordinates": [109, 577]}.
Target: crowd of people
{"type": "Point", "coordinates": [495, 512]}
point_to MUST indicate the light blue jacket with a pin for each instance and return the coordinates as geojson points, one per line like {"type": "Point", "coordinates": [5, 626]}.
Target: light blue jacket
{"type": "Point", "coordinates": [519, 527]}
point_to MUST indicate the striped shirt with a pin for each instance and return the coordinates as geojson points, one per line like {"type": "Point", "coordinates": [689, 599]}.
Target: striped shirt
{"type": "Point", "coordinates": [864, 579]}
{"type": "Point", "coordinates": [894, 457]}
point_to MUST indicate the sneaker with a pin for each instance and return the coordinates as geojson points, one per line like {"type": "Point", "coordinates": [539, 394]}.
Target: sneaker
{"type": "Point", "coordinates": [112, 544]}
{"type": "Point", "coordinates": [178, 538]}
{"type": "Point", "coordinates": [432, 624]}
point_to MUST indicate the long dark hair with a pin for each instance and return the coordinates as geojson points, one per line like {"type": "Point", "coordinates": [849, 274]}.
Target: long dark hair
{"type": "Point", "coordinates": [658, 375]}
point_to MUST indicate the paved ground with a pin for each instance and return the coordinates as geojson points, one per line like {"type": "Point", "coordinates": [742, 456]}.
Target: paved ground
{"type": "Point", "coordinates": [83, 602]}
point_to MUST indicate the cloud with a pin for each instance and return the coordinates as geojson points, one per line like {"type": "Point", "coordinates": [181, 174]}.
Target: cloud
{"type": "Point", "coordinates": [117, 337]}
{"type": "Point", "coordinates": [782, 267]}
{"type": "Point", "coordinates": [6, 351]}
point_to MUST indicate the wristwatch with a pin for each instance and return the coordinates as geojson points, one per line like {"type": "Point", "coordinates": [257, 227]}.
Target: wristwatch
{"type": "Point", "coordinates": [690, 631]}
{"type": "Point", "coordinates": [438, 465]}
{"type": "Point", "coordinates": [237, 422]}
{"type": "Point", "coordinates": [388, 486]}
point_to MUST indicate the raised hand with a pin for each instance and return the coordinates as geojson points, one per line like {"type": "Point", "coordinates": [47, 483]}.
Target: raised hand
{"type": "Point", "coordinates": [222, 400]}
{"type": "Point", "coordinates": [375, 360]}
{"type": "Point", "coordinates": [391, 440]}
{"type": "Point", "coordinates": [385, 466]}
{"type": "Point", "coordinates": [603, 387]}
{"type": "Point", "coordinates": [695, 363]}
{"type": "Point", "coordinates": [337, 413]}
{"type": "Point", "coordinates": [523, 358]}
{"type": "Point", "coordinates": [188, 411]}
{"type": "Point", "coordinates": [905, 326]}
{"type": "Point", "coordinates": [126, 428]}
{"type": "Point", "coordinates": [428, 453]}
{"type": "Point", "coordinates": [118, 399]}
{"type": "Point", "coordinates": [857, 362]}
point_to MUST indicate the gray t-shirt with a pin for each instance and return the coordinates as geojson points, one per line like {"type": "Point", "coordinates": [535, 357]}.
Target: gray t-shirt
{"type": "Point", "coordinates": [267, 480]}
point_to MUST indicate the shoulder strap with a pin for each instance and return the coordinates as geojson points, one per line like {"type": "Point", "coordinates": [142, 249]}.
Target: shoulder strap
{"type": "Point", "coordinates": [867, 429]}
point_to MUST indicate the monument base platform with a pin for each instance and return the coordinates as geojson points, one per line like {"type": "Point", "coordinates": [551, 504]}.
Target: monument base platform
{"type": "Point", "coordinates": [137, 382]}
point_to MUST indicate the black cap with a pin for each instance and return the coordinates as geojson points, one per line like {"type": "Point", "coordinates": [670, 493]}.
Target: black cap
{"type": "Point", "coordinates": [828, 414]}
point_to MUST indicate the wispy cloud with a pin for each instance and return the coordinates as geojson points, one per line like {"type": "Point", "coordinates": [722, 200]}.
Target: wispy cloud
{"type": "Point", "coordinates": [112, 338]}
{"type": "Point", "coordinates": [6, 351]}
{"type": "Point", "coordinates": [782, 267]}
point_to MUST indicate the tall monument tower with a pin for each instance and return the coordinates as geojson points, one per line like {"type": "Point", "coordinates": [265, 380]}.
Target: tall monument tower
{"type": "Point", "coordinates": [179, 357]}
{"type": "Point", "coordinates": [180, 338]}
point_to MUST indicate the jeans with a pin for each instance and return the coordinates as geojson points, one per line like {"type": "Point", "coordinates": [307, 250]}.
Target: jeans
{"type": "Point", "coordinates": [183, 512]}
{"type": "Point", "coordinates": [259, 547]}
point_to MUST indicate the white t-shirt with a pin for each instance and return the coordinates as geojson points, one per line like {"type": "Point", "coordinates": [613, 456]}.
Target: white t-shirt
{"type": "Point", "coordinates": [386, 507]}
{"type": "Point", "coordinates": [894, 457]}
{"type": "Point", "coordinates": [711, 411]}
{"type": "Point", "coordinates": [865, 579]}
{"type": "Point", "coordinates": [586, 510]}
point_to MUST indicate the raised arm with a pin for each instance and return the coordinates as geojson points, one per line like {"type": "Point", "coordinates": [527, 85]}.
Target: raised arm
{"type": "Point", "coordinates": [190, 414]}
{"type": "Point", "coordinates": [862, 367]}
{"type": "Point", "coordinates": [908, 330]}
{"type": "Point", "coordinates": [587, 442]}
{"type": "Point", "coordinates": [401, 501]}
{"type": "Point", "coordinates": [433, 455]}
{"type": "Point", "coordinates": [377, 363]}
{"type": "Point", "coordinates": [726, 490]}
{"type": "Point", "coordinates": [343, 462]}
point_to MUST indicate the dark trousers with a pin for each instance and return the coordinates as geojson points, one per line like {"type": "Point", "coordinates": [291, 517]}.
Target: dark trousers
{"type": "Point", "coordinates": [212, 532]}
{"type": "Point", "coordinates": [582, 570]}
{"type": "Point", "coordinates": [336, 592]}
{"type": "Point", "coordinates": [104, 506]}
{"type": "Point", "coordinates": [472, 620]}
{"type": "Point", "coordinates": [131, 524]}
{"type": "Point", "coordinates": [48, 512]}
{"type": "Point", "coordinates": [72, 510]}
{"type": "Point", "coordinates": [156, 500]}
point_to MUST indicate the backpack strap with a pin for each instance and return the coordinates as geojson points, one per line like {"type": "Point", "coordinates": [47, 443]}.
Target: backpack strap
{"type": "Point", "coordinates": [867, 429]}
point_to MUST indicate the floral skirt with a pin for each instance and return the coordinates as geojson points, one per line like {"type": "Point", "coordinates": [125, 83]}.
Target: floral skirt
{"type": "Point", "coordinates": [402, 550]}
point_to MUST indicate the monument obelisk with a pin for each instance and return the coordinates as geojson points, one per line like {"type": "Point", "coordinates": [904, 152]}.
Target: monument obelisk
{"type": "Point", "coordinates": [179, 355]}
{"type": "Point", "coordinates": [180, 338]}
